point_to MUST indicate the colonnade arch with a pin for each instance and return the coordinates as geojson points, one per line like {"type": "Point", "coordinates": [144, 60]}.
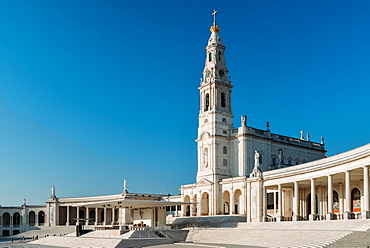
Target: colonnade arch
{"type": "Point", "coordinates": [237, 201]}
{"type": "Point", "coordinates": [226, 202]}
{"type": "Point", "coordinates": [195, 206]}
{"type": "Point", "coordinates": [31, 218]}
{"type": "Point", "coordinates": [41, 218]}
{"type": "Point", "coordinates": [205, 204]}
{"type": "Point", "coordinates": [6, 219]}
{"type": "Point", "coordinates": [17, 219]}
{"type": "Point", "coordinates": [187, 207]}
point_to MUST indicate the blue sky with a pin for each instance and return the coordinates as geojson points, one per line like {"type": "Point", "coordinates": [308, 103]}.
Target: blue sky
{"type": "Point", "coordinates": [94, 92]}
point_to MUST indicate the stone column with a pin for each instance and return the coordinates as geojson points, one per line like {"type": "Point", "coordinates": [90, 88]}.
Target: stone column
{"type": "Point", "coordinates": [320, 200]}
{"type": "Point", "coordinates": [264, 204]}
{"type": "Point", "coordinates": [105, 216]}
{"type": "Point", "coordinates": [87, 216]}
{"type": "Point", "coordinates": [78, 215]}
{"type": "Point", "coordinates": [249, 210]}
{"type": "Point", "coordinates": [365, 211]}
{"type": "Point", "coordinates": [275, 208]}
{"type": "Point", "coordinates": [96, 216]}
{"type": "Point", "coordinates": [330, 215]}
{"type": "Point", "coordinates": [232, 203]}
{"type": "Point", "coordinates": [280, 205]}
{"type": "Point", "coordinates": [242, 150]}
{"type": "Point", "coordinates": [296, 202]}
{"type": "Point", "coordinates": [114, 215]}
{"type": "Point", "coordinates": [313, 200]}
{"type": "Point", "coordinates": [67, 223]}
{"type": "Point", "coordinates": [347, 203]}
{"type": "Point", "coordinates": [36, 219]}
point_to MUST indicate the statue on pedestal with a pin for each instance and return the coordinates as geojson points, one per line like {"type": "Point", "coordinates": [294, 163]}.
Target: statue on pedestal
{"type": "Point", "coordinates": [244, 120]}
{"type": "Point", "coordinates": [256, 159]}
{"type": "Point", "coordinates": [53, 190]}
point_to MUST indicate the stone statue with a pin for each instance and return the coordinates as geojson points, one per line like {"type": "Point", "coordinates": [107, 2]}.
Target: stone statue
{"type": "Point", "coordinates": [308, 136]}
{"type": "Point", "coordinates": [24, 202]}
{"type": "Point", "coordinates": [53, 190]}
{"type": "Point", "coordinates": [124, 186]}
{"type": "Point", "coordinates": [302, 132]}
{"type": "Point", "coordinates": [280, 156]}
{"type": "Point", "coordinates": [322, 139]}
{"type": "Point", "coordinates": [244, 120]}
{"type": "Point", "coordinates": [268, 126]}
{"type": "Point", "coordinates": [256, 159]}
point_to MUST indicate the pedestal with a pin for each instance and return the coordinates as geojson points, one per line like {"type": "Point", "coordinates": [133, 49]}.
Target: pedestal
{"type": "Point", "coordinates": [311, 217]}
{"type": "Point", "coordinates": [295, 217]}
{"type": "Point", "coordinates": [329, 216]}
{"type": "Point", "coordinates": [365, 214]}
{"type": "Point", "coordinates": [279, 218]}
{"type": "Point", "coordinates": [347, 215]}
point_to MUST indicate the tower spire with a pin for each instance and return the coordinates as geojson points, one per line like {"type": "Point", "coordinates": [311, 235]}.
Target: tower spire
{"type": "Point", "coordinates": [215, 28]}
{"type": "Point", "coordinates": [214, 17]}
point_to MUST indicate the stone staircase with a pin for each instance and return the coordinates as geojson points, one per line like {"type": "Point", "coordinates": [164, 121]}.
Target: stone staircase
{"type": "Point", "coordinates": [65, 241]}
{"type": "Point", "coordinates": [51, 231]}
{"type": "Point", "coordinates": [106, 238]}
{"type": "Point", "coordinates": [354, 239]}
{"type": "Point", "coordinates": [285, 234]}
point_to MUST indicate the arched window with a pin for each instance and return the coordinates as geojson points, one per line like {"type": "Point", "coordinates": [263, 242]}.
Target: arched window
{"type": "Point", "coordinates": [219, 56]}
{"type": "Point", "coordinates": [223, 100]}
{"type": "Point", "coordinates": [206, 107]}
{"type": "Point", "coordinates": [273, 157]}
{"type": "Point", "coordinates": [224, 120]}
{"type": "Point", "coordinates": [290, 161]}
{"type": "Point", "coordinates": [16, 219]}
{"type": "Point", "coordinates": [6, 219]}
{"type": "Point", "coordinates": [92, 216]}
{"type": "Point", "coordinates": [209, 57]}
{"type": "Point", "coordinates": [224, 150]}
{"type": "Point", "coordinates": [41, 218]}
{"type": "Point", "coordinates": [31, 218]}
{"type": "Point", "coordinates": [260, 159]}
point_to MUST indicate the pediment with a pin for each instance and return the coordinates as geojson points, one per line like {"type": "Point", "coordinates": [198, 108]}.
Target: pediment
{"type": "Point", "coordinates": [204, 182]}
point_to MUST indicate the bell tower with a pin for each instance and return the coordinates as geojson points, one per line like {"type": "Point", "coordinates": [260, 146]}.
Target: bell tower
{"type": "Point", "coordinates": [215, 114]}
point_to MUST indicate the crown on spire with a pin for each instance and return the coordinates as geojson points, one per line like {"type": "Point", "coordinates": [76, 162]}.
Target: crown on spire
{"type": "Point", "coordinates": [214, 28]}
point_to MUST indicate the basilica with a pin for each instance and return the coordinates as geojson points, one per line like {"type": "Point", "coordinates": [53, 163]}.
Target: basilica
{"type": "Point", "coordinates": [244, 171]}
{"type": "Point", "coordinates": [266, 176]}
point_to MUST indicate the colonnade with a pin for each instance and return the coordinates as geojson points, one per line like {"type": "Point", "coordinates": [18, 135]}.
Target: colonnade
{"type": "Point", "coordinates": [89, 216]}
{"type": "Point", "coordinates": [313, 198]}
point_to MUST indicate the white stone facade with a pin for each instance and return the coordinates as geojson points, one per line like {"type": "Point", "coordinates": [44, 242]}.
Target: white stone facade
{"type": "Point", "coordinates": [266, 176]}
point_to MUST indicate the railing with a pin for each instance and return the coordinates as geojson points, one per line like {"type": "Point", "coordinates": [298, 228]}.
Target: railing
{"type": "Point", "coordinates": [288, 218]}
{"type": "Point", "coordinates": [270, 219]}
{"type": "Point", "coordinates": [338, 217]}
{"type": "Point", "coordinates": [357, 216]}
{"type": "Point", "coordinates": [161, 233]}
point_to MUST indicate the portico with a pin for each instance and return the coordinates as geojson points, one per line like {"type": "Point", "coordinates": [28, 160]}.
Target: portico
{"type": "Point", "coordinates": [339, 184]}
